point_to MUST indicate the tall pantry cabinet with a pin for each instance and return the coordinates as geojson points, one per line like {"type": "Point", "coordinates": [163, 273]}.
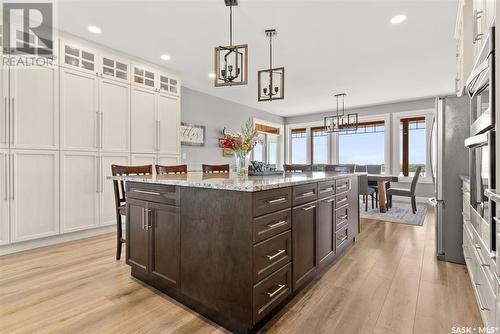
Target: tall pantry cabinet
{"type": "Point", "coordinates": [61, 129]}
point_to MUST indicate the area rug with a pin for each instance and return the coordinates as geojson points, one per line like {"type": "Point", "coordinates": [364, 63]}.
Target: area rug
{"type": "Point", "coordinates": [399, 213]}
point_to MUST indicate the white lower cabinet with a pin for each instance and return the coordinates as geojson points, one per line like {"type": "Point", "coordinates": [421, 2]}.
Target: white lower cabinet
{"type": "Point", "coordinates": [107, 194]}
{"type": "Point", "coordinates": [144, 159]}
{"type": "Point", "coordinates": [34, 194]}
{"type": "Point", "coordinates": [80, 187]}
{"type": "Point", "coordinates": [114, 112]}
{"type": "Point", "coordinates": [4, 197]}
{"type": "Point", "coordinates": [167, 160]}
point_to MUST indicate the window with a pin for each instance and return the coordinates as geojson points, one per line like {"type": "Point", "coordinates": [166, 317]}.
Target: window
{"type": "Point", "coordinates": [267, 150]}
{"type": "Point", "coordinates": [258, 150]}
{"type": "Point", "coordinates": [364, 146]}
{"type": "Point", "coordinates": [412, 145]}
{"type": "Point", "coordinates": [299, 146]}
{"type": "Point", "coordinates": [319, 145]}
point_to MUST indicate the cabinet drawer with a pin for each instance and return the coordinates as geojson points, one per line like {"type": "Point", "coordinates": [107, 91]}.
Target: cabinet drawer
{"type": "Point", "coordinates": [271, 224]}
{"type": "Point", "coordinates": [341, 238]}
{"type": "Point", "coordinates": [157, 193]}
{"type": "Point", "coordinates": [341, 217]}
{"type": "Point", "coordinates": [326, 188]}
{"type": "Point", "coordinates": [271, 292]}
{"type": "Point", "coordinates": [342, 185]}
{"type": "Point", "coordinates": [271, 254]}
{"type": "Point", "coordinates": [341, 200]}
{"type": "Point", "coordinates": [486, 299]}
{"type": "Point", "coordinates": [271, 200]}
{"type": "Point", "coordinates": [304, 193]}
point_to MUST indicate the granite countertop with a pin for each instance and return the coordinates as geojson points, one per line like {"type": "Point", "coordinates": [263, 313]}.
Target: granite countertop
{"type": "Point", "coordinates": [232, 181]}
{"type": "Point", "coordinates": [493, 194]}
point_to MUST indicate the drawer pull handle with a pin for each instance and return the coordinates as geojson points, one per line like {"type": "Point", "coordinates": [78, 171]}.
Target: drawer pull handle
{"type": "Point", "coordinates": [485, 265]}
{"type": "Point", "coordinates": [342, 239]}
{"type": "Point", "coordinates": [326, 190]}
{"type": "Point", "coordinates": [272, 294]}
{"type": "Point", "coordinates": [147, 192]}
{"type": "Point", "coordinates": [275, 255]}
{"type": "Point", "coordinates": [477, 246]}
{"type": "Point", "coordinates": [468, 258]}
{"type": "Point", "coordinates": [342, 200]}
{"type": "Point", "coordinates": [307, 194]}
{"type": "Point", "coordinates": [278, 224]}
{"type": "Point", "coordinates": [330, 200]}
{"type": "Point", "coordinates": [342, 217]}
{"type": "Point", "coordinates": [309, 207]}
{"type": "Point", "coordinates": [277, 200]}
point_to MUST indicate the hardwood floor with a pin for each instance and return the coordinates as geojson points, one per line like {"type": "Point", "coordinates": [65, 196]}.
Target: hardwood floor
{"type": "Point", "coordinates": [389, 282]}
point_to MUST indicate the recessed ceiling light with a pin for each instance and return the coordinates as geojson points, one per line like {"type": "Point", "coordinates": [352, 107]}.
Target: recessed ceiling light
{"type": "Point", "coordinates": [165, 57]}
{"type": "Point", "coordinates": [211, 75]}
{"type": "Point", "coordinates": [398, 19]}
{"type": "Point", "coordinates": [94, 29]}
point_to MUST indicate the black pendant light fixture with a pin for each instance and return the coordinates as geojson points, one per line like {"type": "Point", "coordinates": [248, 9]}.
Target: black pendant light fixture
{"type": "Point", "coordinates": [231, 62]}
{"type": "Point", "coordinates": [340, 122]}
{"type": "Point", "coordinates": [271, 82]}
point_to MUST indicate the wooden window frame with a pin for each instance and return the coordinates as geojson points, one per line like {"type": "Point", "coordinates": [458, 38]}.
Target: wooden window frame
{"type": "Point", "coordinates": [405, 122]}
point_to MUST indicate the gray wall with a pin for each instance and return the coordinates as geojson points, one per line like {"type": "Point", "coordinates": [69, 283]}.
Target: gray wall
{"type": "Point", "coordinates": [214, 113]}
{"type": "Point", "coordinates": [423, 189]}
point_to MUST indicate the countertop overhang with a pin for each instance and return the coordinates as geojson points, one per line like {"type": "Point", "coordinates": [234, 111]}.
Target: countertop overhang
{"type": "Point", "coordinates": [232, 181]}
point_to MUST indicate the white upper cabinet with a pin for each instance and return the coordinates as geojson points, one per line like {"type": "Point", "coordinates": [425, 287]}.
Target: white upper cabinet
{"type": "Point", "coordinates": [168, 160]}
{"type": "Point", "coordinates": [4, 108]}
{"type": "Point", "coordinates": [168, 124]}
{"type": "Point", "coordinates": [79, 56]}
{"type": "Point", "coordinates": [34, 194]}
{"type": "Point", "coordinates": [108, 212]}
{"type": "Point", "coordinates": [168, 84]}
{"type": "Point", "coordinates": [114, 115]}
{"type": "Point", "coordinates": [144, 121]}
{"type": "Point", "coordinates": [79, 110]}
{"type": "Point", "coordinates": [80, 187]}
{"type": "Point", "coordinates": [34, 108]}
{"type": "Point", "coordinates": [4, 197]}
{"type": "Point", "coordinates": [143, 76]}
{"type": "Point", "coordinates": [144, 159]}
{"type": "Point", "coordinates": [114, 68]}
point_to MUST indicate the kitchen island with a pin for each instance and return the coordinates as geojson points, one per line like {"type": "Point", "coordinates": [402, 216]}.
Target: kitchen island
{"type": "Point", "coordinates": [237, 249]}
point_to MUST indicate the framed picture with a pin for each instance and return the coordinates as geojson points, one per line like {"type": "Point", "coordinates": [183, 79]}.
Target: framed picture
{"type": "Point", "coordinates": [192, 135]}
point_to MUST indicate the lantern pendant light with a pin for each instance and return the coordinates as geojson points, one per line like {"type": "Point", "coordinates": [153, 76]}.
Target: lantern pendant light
{"type": "Point", "coordinates": [340, 122]}
{"type": "Point", "coordinates": [231, 62]}
{"type": "Point", "coordinates": [271, 82]}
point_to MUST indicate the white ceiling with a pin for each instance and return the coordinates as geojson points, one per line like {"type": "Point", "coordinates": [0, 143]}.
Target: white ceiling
{"type": "Point", "coordinates": [326, 46]}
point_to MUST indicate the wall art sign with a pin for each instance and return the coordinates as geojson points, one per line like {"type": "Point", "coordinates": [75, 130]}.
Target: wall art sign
{"type": "Point", "coordinates": [192, 135]}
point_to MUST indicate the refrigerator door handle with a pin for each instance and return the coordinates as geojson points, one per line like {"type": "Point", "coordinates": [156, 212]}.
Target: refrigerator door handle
{"type": "Point", "coordinates": [430, 150]}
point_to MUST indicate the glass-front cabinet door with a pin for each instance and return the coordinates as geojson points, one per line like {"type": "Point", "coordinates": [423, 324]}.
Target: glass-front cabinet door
{"type": "Point", "coordinates": [77, 56]}
{"type": "Point", "coordinates": [144, 77]}
{"type": "Point", "coordinates": [114, 68]}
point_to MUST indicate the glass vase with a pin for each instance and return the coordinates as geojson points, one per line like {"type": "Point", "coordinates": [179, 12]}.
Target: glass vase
{"type": "Point", "coordinates": [242, 159]}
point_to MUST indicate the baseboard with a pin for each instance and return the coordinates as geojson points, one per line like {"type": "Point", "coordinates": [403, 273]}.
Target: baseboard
{"type": "Point", "coordinates": [406, 200]}
{"type": "Point", "coordinates": [53, 240]}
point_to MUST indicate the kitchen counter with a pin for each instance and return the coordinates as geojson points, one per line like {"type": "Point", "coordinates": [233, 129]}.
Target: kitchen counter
{"type": "Point", "coordinates": [232, 181]}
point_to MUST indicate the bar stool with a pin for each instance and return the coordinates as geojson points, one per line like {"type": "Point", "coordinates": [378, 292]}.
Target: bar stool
{"type": "Point", "coordinates": [215, 168]}
{"type": "Point", "coordinates": [164, 170]}
{"type": "Point", "coordinates": [120, 201]}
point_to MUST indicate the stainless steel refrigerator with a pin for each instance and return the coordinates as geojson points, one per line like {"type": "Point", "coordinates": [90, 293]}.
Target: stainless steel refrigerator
{"type": "Point", "coordinates": [449, 160]}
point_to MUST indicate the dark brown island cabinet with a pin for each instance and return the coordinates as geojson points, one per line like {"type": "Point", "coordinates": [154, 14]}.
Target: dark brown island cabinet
{"type": "Point", "coordinates": [237, 257]}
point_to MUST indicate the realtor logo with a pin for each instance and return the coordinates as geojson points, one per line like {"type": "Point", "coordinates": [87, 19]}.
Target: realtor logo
{"type": "Point", "coordinates": [28, 29]}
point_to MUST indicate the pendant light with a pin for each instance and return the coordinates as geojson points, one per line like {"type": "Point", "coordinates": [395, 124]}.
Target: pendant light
{"type": "Point", "coordinates": [231, 62]}
{"type": "Point", "coordinates": [340, 122]}
{"type": "Point", "coordinates": [271, 82]}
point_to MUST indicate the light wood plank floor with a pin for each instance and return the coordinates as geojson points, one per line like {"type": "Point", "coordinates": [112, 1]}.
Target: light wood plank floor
{"type": "Point", "coordinates": [389, 282]}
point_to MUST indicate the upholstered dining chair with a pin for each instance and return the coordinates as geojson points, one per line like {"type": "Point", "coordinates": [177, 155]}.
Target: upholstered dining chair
{"type": "Point", "coordinates": [298, 168]}
{"type": "Point", "coordinates": [164, 170]}
{"type": "Point", "coordinates": [365, 191]}
{"type": "Point", "coordinates": [360, 168]}
{"type": "Point", "coordinates": [348, 168]}
{"type": "Point", "coordinates": [377, 170]}
{"type": "Point", "coordinates": [215, 168]}
{"type": "Point", "coordinates": [406, 192]}
{"type": "Point", "coordinates": [120, 203]}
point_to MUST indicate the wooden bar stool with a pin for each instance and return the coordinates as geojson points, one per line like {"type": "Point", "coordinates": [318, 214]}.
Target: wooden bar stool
{"type": "Point", "coordinates": [297, 168]}
{"type": "Point", "coordinates": [120, 205]}
{"type": "Point", "coordinates": [163, 170]}
{"type": "Point", "coordinates": [215, 168]}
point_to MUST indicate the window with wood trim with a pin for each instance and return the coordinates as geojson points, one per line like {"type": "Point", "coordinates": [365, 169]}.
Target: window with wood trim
{"type": "Point", "coordinates": [267, 129]}
{"type": "Point", "coordinates": [412, 145]}
{"type": "Point", "coordinates": [319, 145]}
{"type": "Point", "coordinates": [267, 150]}
{"type": "Point", "coordinates": [299, 146]}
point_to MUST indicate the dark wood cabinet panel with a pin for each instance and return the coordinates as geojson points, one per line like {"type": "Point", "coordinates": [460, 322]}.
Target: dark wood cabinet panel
{"type": "Point", "coordinates": [271, 224]}
{"type": "Point", "coordinates": [304, 193]}
{"type": "Point", "coordinates": [137, 235]}
{"type": "Point", "coordinates": [157, 193]}
{"type": "Point", "coordinates": [165, 243]}
{"type": "Point", "coordinates": [271, 200]}
{"type": "Point", "coordinates": [326, 189]}
{"type": "Point", "coordinates": [353, 211]}
{"type": "Point", "coordinates": [326, 230]}
{"type": "Point", "coordinates": [304, 231]}
{"type": "Point", "coordinates": [271, 254]}
{"type": "Point", "coordinates": [342, 185]}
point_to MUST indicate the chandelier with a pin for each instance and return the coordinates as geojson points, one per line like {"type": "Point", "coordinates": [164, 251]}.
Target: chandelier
{"type": "Point", "coordinates": [231, 62]}
{"type": "Point", "coordinates": [340, 121]}
{"type": "Point", "coordinates": [271, 82]}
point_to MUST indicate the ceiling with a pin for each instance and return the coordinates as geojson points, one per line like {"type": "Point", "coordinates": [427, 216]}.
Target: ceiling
{"type": "Point", "coordinates": [326, 46]}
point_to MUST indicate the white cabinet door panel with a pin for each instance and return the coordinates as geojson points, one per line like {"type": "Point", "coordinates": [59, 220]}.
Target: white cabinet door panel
{"type": "Point", "coordinates": [79, 191]}
{"type": "Point", "coordinates": [143, 120]}
{"type": "Point", "coordinates": [114, 108]}
{"type": "Point", "coordinates": [4, 108]}
{"type": "Point", "coordinates": [168, 160]}
{"type": "Point", "coordinates": [34, 194]}
{"type": "Point", "coordinates": [144, 159]}
{"type": "Point", "coordinates": [79, 107]}
{"type": "Point", "coordinates": [34, 107]}
{"type": "Point", "coordinates": [169, 121]}
{"type": "Point", "coordinates": [4, 197]}
{"type": "Point", "coordinates": [108, 215]}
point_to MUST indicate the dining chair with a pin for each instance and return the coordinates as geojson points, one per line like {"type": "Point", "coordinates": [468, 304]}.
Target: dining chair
{"type": "Point", "coordinates": [366, 191]}
{"type": "Point", "coordinates": [348, 168]}
{"type": "Point", "coordinates": [360, 168]}
{"type": "Point", "coordinates": [377, 170]}
{"type": "Point", "coordinates": [165, 170]}
{"type": "Point", "coordinates": [215, 168]}
{"type": "Point", "coordinates": [120, 201]}
{"type": "Point", "coordinates": [297, 168]}
{"type": "Point", "coordinates": [405, 192]}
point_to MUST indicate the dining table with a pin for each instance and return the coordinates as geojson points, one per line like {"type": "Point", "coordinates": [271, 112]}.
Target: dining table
{"type": "Point", "coordinates": [382, 180]}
